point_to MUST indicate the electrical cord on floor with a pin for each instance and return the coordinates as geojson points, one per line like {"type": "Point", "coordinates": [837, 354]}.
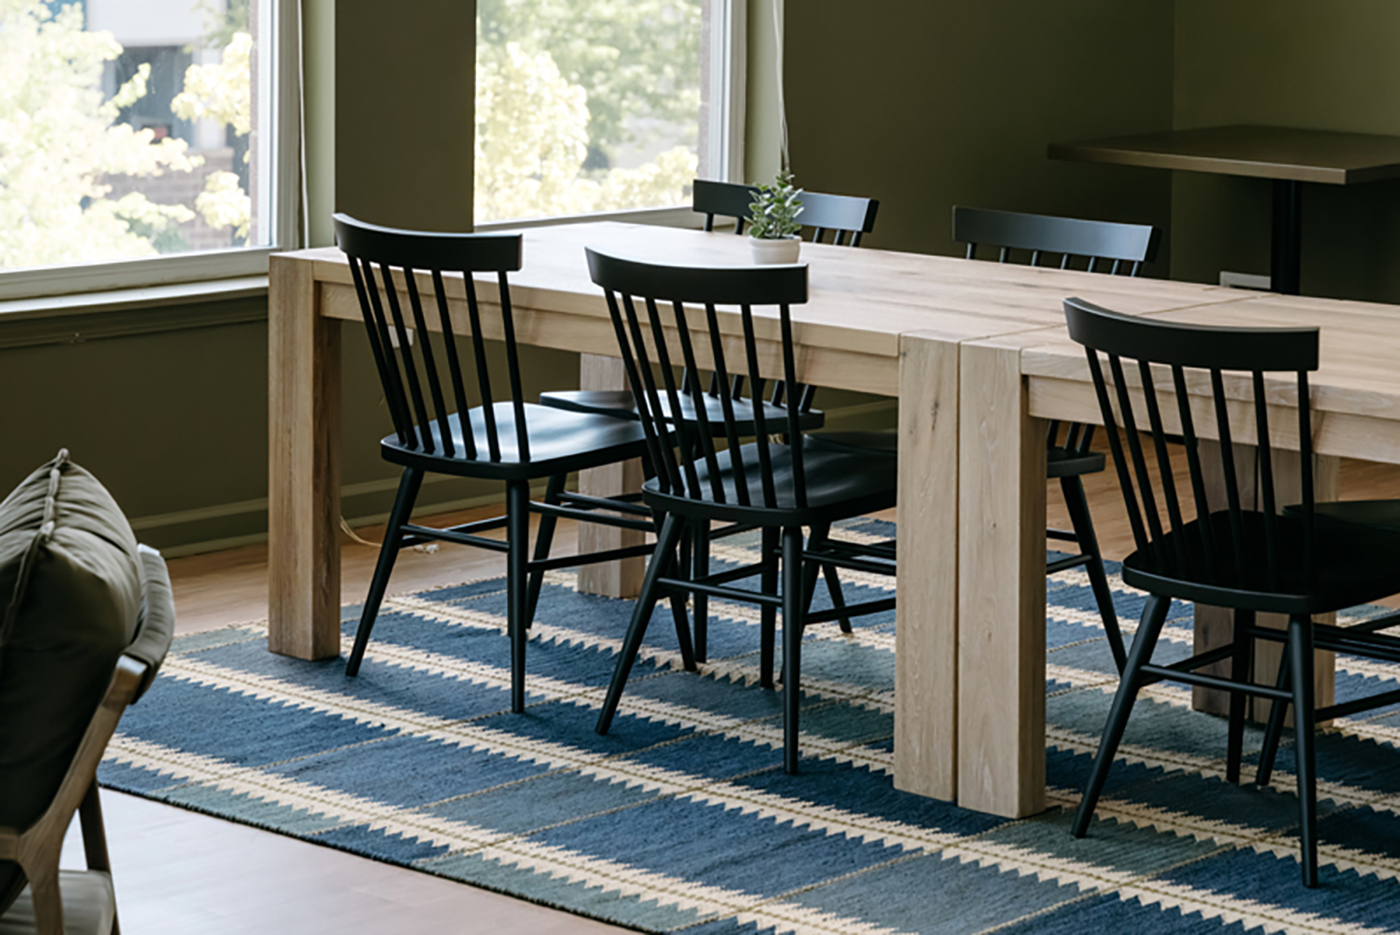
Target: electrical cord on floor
{"type": "Point", "coordinates": [426, 547]}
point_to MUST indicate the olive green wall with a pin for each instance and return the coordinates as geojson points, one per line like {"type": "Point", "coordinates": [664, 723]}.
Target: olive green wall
{"type": "Point", "coordinates": [927, 105]}
{"type": "Point", "coordinates": [171, 421]}
{"type": "Point", "coordinates": [404, 105]}
{"type": "Point", "coordinates": [1292, 63]}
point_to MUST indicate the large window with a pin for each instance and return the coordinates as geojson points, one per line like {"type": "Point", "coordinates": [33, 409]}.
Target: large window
{"type": "Point", "coordinates": [587, 106]}
{"type": "Point", "coordinates": [131, 130]}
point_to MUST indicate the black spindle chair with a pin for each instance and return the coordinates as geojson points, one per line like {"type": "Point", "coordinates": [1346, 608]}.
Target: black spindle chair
{"type": "Point", "coordinates": [1105, 247]}
{"type": "Point", "coordinates": [778, 487]}
{"type": "Point", "coordinates": [436, 427]}
{"type": "Point", "coordinates": [846, 218]}
{"type": "Point", "coordinates": [1253, 561]}
{"type": "Point", "coordinates": [1123, 248]}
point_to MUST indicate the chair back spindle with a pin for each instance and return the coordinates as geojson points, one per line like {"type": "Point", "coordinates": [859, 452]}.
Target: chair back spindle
{"type": "Point", "coordinates": [1240, 549]}
{"type": "Point", "coordinates": [846, 217]}
{"type": "Point", "coordinates": [385, 264]}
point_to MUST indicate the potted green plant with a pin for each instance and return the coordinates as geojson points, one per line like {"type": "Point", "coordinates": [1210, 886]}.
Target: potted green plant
{"type": "Point", "coordinates": [773, 224]}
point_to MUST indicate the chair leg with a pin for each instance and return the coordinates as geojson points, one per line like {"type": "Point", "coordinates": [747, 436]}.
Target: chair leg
{"type": "Point", "coordinates": [838, 598]}
{"type": "Point", "coordinates": [1242, 673]}
{"type": "Point", "coordinates": [680, 618]}
{"type": "Point", "coordinates": [1083, 525]}
{"type": "Point", "coordinates": [641, 615]}
{"type": "Point", "coordinates": [1278, 710]}
{"type": "Point", "coordinates": [94, 832]}
{"type": "Point", "coordinates": [403, 508]}
{"type": "Point", "coordinates": [1300, 658]}
{"type": "Point", "coordinates": [1154, 615]}
{"type": "Point", "coordinates": [47, 899]}
{"type": "Point", "coordinates": [768, 615]}
{"type": "Point", "coordinates": [544, 538]}
{"type": "Point", "coordinates": [812, 569]}
{"type": "Point", "coordinates": [95, 838]}
{"type": "Point", "coordinates": [794, 608]}
{"type": "Point", "coordinates": [820, 536]}
{"type": "Point", "coordinates": [701, 602]}
{"type": "Point", "coordinates": [517, 585]}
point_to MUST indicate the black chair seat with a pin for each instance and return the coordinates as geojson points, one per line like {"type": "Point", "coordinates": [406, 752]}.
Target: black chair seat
{"type": "Point", "coordinates": [492, 434]}
{"type": "Point", "coordinates": [1384, 514]}
{"type": "Point", "coordinates": [867, 443]}
{"type": "Point", "coordinates": [560, 441]}
{"type": "Point", "coordinates": [840, 483]}
{"type": "Point", "coordinates": [619, 404]}
{"type": "Point", "coordinates": [1345, 570]}
{"type": "Point", "coordinates": [1060, 461]}
{"type": "Point", "coordinates": [1067, 462]}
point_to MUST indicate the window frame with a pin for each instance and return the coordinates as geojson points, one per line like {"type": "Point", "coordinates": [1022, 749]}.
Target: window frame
{"type": "Point", "coordinates": [204, 266]}
{"type": "Point", "coordinates": [728, 84]}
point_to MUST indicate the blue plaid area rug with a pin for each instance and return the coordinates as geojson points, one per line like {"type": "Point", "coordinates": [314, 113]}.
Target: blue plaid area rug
{"type": "Point", "coordinates": [682, 819]}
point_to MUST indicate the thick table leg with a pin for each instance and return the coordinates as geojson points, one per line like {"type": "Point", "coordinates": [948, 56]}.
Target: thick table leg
{"type": "Point", "coordinates": [1287, 247]}
{"type": "Point", "coordinates": [1001, 586]}
{"type": "Point", "coordinates": [926, 636]}
{"type": "Point", "coordinates": [612, 579]}
{"type": "Point", "coordinates": [1213, 624]}
{"type": "Point", "coordinates": [304, 467]}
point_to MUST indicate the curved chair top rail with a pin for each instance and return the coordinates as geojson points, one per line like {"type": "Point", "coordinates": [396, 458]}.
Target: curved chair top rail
{"type": "Point", "coordinates": [664, 291]}
{"type": "Point", "coordinates": [408, 366]}
{"type": "Point", "coordinates": [1039, 233]}
{"type": "Point", "coordinates": [1207, 347]}
{"type": "Point", "coordinates": [849, 216]}
{"type": "Point", "coordinates": [428, 250]}
{"type": "Point", "coordinates": [1242, 550]}
{"type": "Point", "coordinates": [778, 284]}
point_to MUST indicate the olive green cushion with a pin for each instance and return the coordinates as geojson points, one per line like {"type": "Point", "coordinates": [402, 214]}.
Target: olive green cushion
{"type": "Point", "coordinates": [70, 595]}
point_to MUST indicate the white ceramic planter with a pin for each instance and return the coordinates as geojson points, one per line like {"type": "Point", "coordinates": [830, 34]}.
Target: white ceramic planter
{"type": "Point", "coordinates": [784, 250]}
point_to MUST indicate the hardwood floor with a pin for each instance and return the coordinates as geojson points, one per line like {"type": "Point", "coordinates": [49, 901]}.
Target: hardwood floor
{"type": "Point", "coordinates": [177, 871]}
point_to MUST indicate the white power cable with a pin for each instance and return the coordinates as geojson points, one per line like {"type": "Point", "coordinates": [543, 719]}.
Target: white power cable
{"type": "Point", "coordinates": [778, 56]}
{"type": "Point", "coordinates": [301, 130]}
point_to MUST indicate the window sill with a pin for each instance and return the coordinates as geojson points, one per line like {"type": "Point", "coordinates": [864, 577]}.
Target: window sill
{"type": "Point", "coordinates": [676, 216]}
{"type": "Point", "coordinates": [71, 319]}
{"type": "Point", "coordinates": [168, 270]}
{"type": "Point", "coordinates": [77, 316]}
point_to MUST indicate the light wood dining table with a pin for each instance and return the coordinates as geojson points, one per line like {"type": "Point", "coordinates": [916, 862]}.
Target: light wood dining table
{"type": "Point", "coordinates": [977, 356]}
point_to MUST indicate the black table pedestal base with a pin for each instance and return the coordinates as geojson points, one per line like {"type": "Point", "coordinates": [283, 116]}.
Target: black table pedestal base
{"type": "Point", "coordinates": [1287, 236]}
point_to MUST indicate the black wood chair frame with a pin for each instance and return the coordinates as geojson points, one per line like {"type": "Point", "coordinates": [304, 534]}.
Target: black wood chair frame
{"type": "Point", "coordinates": [846, 217]}
{"type": "Point", "coordinates": [1118, 244]}
{"type": "Point", "coordinates": [491, 440]}
{"type": "Point", "coordinates": [762, 484]}
{"type": "Point", "coordinates": [1253, 561]}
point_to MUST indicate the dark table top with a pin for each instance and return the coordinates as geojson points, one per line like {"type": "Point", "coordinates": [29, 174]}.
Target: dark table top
{"type": "Point", "coordinates": [1261, 152]}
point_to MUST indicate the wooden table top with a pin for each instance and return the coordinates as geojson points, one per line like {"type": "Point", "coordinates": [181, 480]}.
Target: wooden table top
{"type": "Point", "coordinates": [1355, 392]}
{"type": "Point", "coordinates": [860, 300]}
{"type": "Point", "coordinates": [1260, 152]}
